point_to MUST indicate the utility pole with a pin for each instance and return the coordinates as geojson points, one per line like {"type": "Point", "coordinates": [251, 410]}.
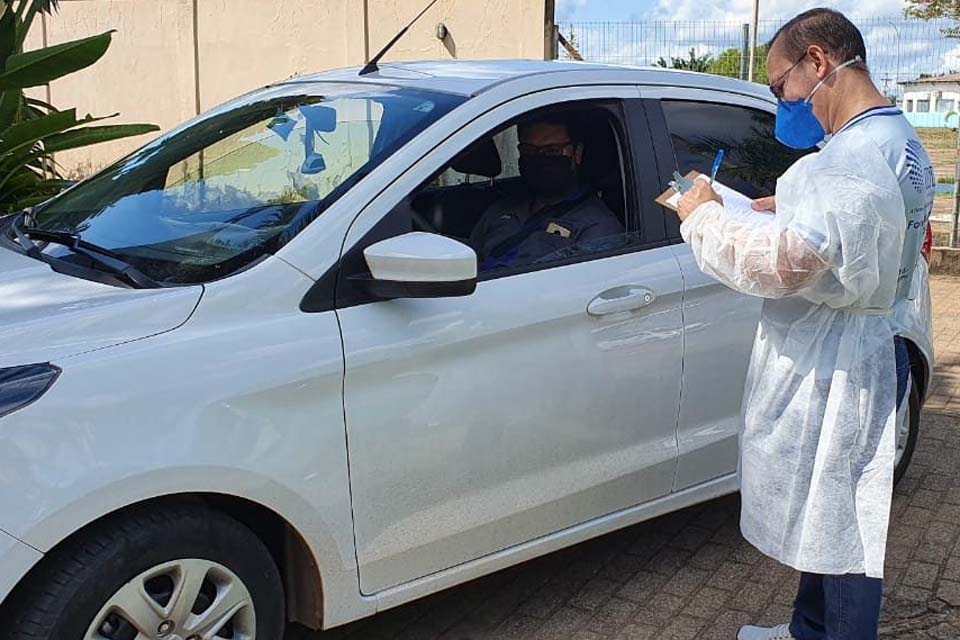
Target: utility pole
{"type": "Point", "coordinates": [550, 30]}
{"type": "Point", "coordinates": [366, 32]}
{"type": "Point", "coordinates": [744, 51]}
{"type": "Point", "coordinates": [753, 40]}
{"type": "Point", "coordinates": [955, 214]}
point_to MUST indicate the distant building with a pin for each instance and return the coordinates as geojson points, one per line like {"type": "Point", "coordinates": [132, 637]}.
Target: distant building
{"type": "Point", "coordinates": [927, 101]}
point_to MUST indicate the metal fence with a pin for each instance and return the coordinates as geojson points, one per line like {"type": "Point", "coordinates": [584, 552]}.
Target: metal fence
{"type": "Point", "coordinates": [898, 49]}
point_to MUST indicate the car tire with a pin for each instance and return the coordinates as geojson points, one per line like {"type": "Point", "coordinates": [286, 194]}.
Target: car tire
{"type": "Point", "coordinates": [85, 587]}
{"type": "Point", "coordinates": [913, 424]}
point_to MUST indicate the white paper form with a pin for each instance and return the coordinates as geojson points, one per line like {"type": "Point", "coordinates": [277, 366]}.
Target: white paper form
{"type": "Point", "coordinates": [735, 204]}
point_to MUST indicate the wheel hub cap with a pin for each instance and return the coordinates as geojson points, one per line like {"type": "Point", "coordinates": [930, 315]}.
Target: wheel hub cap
{"type": "Point", "coordinates": [187, 599]}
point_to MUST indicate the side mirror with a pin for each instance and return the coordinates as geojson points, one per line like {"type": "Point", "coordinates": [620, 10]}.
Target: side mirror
{"type": "Point", "coordinates": [420, 265]}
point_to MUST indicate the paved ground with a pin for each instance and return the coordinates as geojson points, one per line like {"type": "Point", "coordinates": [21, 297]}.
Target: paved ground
{"type": "Point", "coordinates": [690, 575]}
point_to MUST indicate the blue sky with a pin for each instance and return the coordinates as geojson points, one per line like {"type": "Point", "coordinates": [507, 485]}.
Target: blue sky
{"type": "Point", "coordinates": [897, 50]}
{"type": "Point", "coordinates": [583, 10]}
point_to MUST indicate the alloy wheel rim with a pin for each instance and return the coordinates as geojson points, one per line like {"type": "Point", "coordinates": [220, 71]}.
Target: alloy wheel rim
{"type": "Point", "coordinates": [189, 599]}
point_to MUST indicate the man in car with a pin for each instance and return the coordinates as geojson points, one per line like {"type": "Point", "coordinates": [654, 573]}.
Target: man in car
{"type": "Point", "coordinates": [557, 211]}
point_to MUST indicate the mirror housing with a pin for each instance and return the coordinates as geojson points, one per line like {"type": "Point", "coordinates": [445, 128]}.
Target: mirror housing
{"type": "Point", "coordinates": [420, 265]}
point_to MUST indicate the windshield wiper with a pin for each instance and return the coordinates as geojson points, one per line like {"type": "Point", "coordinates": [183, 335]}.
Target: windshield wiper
{"type": "Point", "coordinates": [104, 258]}
{"type": "Point", "coordinates": [25, 243]}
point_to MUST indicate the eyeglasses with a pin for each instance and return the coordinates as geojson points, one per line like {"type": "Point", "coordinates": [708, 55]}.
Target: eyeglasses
{"type": "Point", "coordinates": [776, 88]}
{"type": "Point", "coordinates": [556, 149]}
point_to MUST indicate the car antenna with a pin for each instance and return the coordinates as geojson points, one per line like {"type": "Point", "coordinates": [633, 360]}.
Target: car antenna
{"type": "Point", "coordinates": [372, 65]}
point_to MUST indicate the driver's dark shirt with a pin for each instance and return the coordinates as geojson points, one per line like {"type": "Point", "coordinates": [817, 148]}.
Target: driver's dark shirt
{"type": "Point", "coordinates": [509, 235]}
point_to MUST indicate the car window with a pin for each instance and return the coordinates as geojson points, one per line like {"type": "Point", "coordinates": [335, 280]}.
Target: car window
{"type": "Point", "coordinates": [217, 194]}
{"type": "Point", "coordinates": [484, 198]}
{"type": "Point", "coordinates": [505, 143]}
{"type": "Point", "coordinates": [260, 165]}
{"type": "Point", "coordinates": [753, 159]}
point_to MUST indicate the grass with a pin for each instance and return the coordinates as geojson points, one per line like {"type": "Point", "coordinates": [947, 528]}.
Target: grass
{"type": "Point", "coordinates": [941, 144]}
{"type": "Point", "coordinates": [941, 234]}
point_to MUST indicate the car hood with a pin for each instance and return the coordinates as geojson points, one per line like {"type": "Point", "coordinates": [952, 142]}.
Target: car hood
{"type": "Point", "coordinates": [45, 315]}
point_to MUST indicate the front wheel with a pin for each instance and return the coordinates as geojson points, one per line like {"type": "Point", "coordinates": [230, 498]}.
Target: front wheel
{"type": "Point", "coordinates": [184, 573]}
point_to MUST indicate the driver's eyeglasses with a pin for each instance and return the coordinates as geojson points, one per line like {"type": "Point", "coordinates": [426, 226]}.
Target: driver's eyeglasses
{"type": "Point", "coordinates": [776, 88]}
{"type": "Point", "coordinates": [557, 149]}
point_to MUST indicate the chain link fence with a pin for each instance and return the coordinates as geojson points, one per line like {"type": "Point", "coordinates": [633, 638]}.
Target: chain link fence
{"type": "Point", "coordinates": [898, 49]}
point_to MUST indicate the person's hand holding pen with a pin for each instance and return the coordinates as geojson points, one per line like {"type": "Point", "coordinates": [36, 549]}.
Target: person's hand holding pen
{"type": "Point", "coordinates": [700, 193]}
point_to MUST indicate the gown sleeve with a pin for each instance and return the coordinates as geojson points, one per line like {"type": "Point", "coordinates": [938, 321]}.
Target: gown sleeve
{"type": "Point", "coordinates": [834, 229]}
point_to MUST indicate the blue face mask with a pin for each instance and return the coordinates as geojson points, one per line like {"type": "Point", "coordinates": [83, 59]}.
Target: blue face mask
{"type": "Point", "coordinates": [796, 126]}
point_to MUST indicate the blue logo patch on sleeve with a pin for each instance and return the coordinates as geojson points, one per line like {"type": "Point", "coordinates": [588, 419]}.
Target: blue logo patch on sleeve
{"type": "Point", "coordinates": [919, 172]}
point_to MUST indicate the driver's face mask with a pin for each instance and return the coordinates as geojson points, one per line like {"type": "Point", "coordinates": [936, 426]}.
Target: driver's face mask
{"type": "Point", "coordinates": [548, 175]}
{"type": "Point", "coordinates": [796, 125]}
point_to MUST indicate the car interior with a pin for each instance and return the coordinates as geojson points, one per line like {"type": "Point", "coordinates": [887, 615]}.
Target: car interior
{"type": "Point", "coordinates": [454, 209]}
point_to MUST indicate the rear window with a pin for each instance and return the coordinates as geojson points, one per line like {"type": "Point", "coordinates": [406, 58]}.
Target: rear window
{"type": "Point", "coordinates": [753, 160]}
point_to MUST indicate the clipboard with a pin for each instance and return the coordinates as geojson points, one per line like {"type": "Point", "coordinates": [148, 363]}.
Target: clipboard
{"type": "Point", "coordinates": [664, 198]}
{"type": "Point", "coordinates": [735, 204]}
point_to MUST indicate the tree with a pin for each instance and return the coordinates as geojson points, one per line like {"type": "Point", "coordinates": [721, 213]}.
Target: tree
{"type": "Point", "coordinates": [691, 63]}
{"type": "Point", "coordinates": [31, 130]}
{"type": "Point", "coordinates": [933, 9]}
{"type": "Point", "coordinates": [728, 64]}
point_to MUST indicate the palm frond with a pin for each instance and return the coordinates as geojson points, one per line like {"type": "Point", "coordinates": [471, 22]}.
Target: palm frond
{"type": "Point", "coordinates": [47, 6]}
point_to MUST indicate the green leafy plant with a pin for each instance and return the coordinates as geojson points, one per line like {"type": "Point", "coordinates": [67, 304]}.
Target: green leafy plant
{"type": "Point", "coordinates": [691, 63]}
{"type": "Point", "coordinates": [31, 130]}
{"type": "Point", "coordinates": [933, 9]}
{"type": "Point", "coordinates": [728, 64]}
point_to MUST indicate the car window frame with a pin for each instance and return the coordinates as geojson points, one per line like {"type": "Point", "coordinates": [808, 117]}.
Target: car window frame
{"type": "Point", "coordinates": [616, 109]}
{"type": "Point", "coordinates": [375, 222]}
{"type": "Point", "coordinates": [663, 141]}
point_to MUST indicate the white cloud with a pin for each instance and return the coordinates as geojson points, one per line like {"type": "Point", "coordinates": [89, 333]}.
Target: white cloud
{"type": "Point", "coordinates": [567, 9]}
{"type": "Point", "coordinates": [742, 10]}
{"type": "Point", "coordinates": [952, 58]}
{"type": "Point", "coordinates": [897, 49]}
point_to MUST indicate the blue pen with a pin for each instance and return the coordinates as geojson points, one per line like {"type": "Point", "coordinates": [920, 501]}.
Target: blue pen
{"type": "Point", "coordinates": [716, 166]}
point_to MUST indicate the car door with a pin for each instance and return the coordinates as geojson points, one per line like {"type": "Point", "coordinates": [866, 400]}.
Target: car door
{"type": "Point", "coordinates": [689, 126]}
{"type": "Point", "coordinates": [546, 399]}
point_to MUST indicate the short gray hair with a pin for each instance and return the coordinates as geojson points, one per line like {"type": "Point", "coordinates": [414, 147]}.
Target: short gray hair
{"type": "Point", "coordinates": [830, 30]}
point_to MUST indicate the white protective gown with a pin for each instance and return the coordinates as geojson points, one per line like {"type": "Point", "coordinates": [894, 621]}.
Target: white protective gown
{"type": "Point", "coordinates": [817, 449]}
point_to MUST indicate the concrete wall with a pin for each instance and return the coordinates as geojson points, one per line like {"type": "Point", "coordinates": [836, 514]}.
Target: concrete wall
{"type": "Point", "coordinates": [935, 94]}
{"type": "Point", "coordinates": [173, 58]}
{"type": "Point", "coordinates": [932, 120]}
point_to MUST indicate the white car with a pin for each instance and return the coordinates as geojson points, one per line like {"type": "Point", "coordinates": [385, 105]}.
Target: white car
{"type": "Point", "coordinates": [253, 374]}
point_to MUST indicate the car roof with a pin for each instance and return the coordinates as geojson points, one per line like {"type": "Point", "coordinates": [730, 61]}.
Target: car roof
{"type": "Point", "coordinates": [471, 78]}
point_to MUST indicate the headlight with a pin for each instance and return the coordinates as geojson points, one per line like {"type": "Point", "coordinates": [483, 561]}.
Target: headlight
{"type": "Point", "coordinates": [21, 386]}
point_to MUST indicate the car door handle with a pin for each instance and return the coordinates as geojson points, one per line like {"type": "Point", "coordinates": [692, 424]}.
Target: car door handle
{"type": "Point", "coordinates": [620, 299]}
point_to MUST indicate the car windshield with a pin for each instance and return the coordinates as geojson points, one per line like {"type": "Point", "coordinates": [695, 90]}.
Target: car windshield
{"type": "Point", "coordinates": [217, 194]}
